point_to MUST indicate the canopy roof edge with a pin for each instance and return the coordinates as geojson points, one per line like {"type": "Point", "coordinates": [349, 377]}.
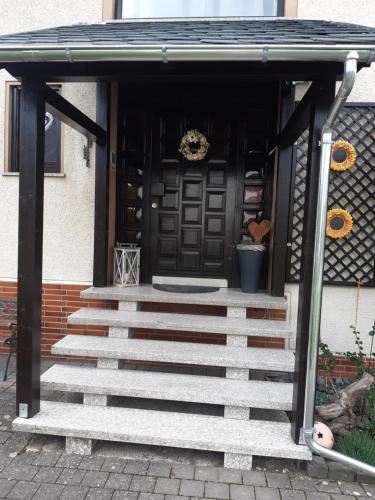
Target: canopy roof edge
{"type": "Point", "coordinates": [264, 40]}
{"type": "Point", "coordinates": [203, 52]}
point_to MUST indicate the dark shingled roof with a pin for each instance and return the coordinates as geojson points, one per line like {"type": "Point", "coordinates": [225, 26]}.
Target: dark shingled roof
{"type": "Point", "coordinates": [169, 32]}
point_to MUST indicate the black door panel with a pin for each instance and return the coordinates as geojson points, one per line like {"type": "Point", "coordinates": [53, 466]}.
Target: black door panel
{"type": "Point", "coordinates": [195, 206]}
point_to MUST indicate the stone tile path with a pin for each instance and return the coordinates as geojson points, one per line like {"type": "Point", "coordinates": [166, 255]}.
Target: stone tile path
{"type": "Point", "coordinates": [38, 468]}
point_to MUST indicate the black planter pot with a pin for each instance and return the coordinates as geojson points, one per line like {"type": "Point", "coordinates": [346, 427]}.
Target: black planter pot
{"type": "Point", "coordinates": [250, 268]}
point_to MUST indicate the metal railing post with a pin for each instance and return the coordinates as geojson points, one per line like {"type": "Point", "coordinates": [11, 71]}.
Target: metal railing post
{"type": "Point", "coordinates": [347, 84]}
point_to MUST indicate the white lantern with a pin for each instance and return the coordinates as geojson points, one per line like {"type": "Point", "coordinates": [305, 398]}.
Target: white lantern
{"type": "Point", "coordinates": [126, 264]}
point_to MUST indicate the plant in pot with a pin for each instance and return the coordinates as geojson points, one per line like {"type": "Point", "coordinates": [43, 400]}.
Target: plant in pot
{"type": "Point", "coordinates": [251, 251]}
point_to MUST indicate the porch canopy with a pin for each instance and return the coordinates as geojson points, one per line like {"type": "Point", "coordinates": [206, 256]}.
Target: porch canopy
{"type": "Point", "coordinates": [275, 47]}
{"type": "Point", "coordinates": [233, 49]}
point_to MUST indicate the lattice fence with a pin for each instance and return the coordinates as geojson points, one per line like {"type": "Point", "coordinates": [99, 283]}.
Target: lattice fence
{"type": "Point", "coordinates": [353, 257]}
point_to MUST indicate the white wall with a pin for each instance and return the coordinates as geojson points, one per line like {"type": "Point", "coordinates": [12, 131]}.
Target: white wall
{"type": "Point", "coordinates": [339, 303]}
{"type": "Point", "coordinates": [69, 200]}
{"type": "Point", "coordinates": [338, 313]}
{"type": "Point", "coordinates": [351, 11]}
{"type": "Point", "coordinates": [25, 15]}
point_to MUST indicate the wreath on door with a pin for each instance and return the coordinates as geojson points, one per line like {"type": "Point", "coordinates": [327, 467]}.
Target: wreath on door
{"type": "Point", "coordinates": [194, 145]}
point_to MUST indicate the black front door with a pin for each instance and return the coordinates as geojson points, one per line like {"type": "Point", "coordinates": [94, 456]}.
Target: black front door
{"type": "Point", "coordinates": [192, 202]}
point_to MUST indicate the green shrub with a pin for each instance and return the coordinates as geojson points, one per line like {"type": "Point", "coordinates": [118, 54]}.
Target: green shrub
{"type": "Point", "coordinates": [368, 420]}
{"type": "Point", "coordinates": [358, 445]}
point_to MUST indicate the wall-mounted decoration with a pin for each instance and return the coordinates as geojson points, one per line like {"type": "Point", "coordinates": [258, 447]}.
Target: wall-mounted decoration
{"type": "Point", "coordinates": [339, 223]}
{"type": "Point", "coordinates": [126, 264]}
{"type": "Point", "coordinates": [343, 156]}
{"type": "Point", "coordinates": [194, 145]}
{"type": "Point", "coordinates": [352, 258]}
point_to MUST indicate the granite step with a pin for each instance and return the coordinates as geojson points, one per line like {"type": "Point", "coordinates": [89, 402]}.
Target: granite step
{"type": "Point", "coordinates": [232, 297]}
{"type": "Point", "coordinates": [181, 322]}
{"type": "Point", "coordinates": [170, 387]}
{"type": "Point", "coordinates": [181, 430]}
{"type": "Point", "coordinates": [175, 352]}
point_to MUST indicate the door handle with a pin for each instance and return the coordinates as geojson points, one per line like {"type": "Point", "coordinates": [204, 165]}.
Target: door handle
{"type": "Point", "coordinates": [154, 204]}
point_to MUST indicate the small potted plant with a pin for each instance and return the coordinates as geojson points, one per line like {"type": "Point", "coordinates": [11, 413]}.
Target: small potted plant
{"type": "Point", "coordinates": [251, 251]}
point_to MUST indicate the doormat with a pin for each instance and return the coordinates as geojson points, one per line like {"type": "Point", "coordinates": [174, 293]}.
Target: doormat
{"type": "Point", "coordinates": [186, 288]}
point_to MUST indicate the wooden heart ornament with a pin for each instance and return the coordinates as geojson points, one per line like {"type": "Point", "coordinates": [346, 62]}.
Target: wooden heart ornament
{"type": "Point", "coordinates": [259, 231]}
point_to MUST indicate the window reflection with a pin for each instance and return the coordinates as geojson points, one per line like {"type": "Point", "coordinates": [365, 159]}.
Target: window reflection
{"type": "Point", "coordinates": [197, 8]}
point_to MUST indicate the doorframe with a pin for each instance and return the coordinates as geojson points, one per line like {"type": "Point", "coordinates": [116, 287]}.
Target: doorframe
{"type": "Point", "coordinates": [128, 99]}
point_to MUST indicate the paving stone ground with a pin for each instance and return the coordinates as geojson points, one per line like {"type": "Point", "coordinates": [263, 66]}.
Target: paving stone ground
{"type": "Point", "coordinates": [39, 469]}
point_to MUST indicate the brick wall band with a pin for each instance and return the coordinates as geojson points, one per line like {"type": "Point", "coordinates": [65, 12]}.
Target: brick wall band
{"type": "Point", "coordinates": [60, 300]}
{"type": "Point", "coordinates": [345, 368]}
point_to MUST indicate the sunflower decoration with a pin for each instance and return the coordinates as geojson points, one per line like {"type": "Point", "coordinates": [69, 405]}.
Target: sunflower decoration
{"type": "Point", "coordinates": [339, 223]}
{"type": "Point", "coordinates": [343, 156]}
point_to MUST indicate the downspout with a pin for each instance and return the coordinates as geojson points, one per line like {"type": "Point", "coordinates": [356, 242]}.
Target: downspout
{"type": "Point", "coordinates": [350, 72]}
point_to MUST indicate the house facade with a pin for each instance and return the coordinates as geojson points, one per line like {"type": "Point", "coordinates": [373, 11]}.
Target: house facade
{"type": "Point", "coordinates": [137, 185]}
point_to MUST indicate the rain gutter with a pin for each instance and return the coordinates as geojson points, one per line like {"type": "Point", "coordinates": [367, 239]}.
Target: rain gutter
{"type": "Point", "coordinates": [349, 76]}
{"type": "Point", "coordinates": [197, 52]}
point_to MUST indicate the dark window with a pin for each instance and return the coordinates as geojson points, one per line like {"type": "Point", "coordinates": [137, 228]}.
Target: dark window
{"type": "Point", "coordinates": [52, 152]}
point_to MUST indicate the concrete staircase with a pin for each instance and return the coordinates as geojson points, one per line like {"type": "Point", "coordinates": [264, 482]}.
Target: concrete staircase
{"type": "Point", "coordinates": [236, 430]}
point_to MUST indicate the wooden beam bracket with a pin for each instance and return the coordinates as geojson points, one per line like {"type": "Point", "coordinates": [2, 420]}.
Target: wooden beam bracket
{"type": "Point", "coordinates": [298, 121]}
{"type": "Point", "coordinates": [73, 117]}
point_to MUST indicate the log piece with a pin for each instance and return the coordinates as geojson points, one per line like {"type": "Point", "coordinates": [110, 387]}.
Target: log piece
{"type": "Point", "coordinates": [347, 400]}
{"type": "Point", "coordinates": [350, 395]}
{"type": "Point", "coordinates": [344, 424]}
